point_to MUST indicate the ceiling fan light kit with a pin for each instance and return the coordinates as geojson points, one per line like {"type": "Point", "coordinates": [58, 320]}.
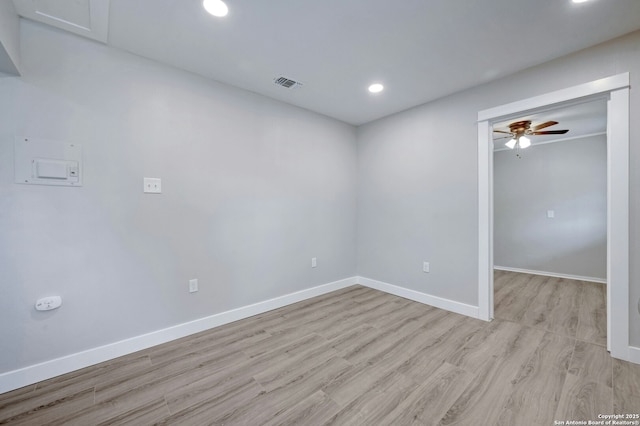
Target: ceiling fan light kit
{"type": "Point", "coordinates": [519, 130]}
{"type": "Point", "coordinates": [524, 142]}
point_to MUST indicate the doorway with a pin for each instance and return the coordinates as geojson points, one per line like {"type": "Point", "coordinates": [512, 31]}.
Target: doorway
{"type": "Point", "coordinates": [550, 221]}
{"type": "Point", "coordinates": [615, 90]}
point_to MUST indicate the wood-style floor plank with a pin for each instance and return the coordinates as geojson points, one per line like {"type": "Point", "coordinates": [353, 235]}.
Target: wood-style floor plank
{"type": "Point", "coordinates": [213, 405]}
{"type": "Point", "coordinates": [358, 379]}
{"type": "Point", "coordinates": [152, 380]}
{"type": "Point", "coordinates": [372, 398]}
{"type": "Point", "coordinates": [626, 387]}
{"type": "Point", "coordinates": [496, 364]}
{"type": "Point", "coordinates": [103, 414]}
{"type": "Point", "coordinates": [313, 410]}
{"type": "Point", "coordinates": [54, 411]}
{"type": "Point", "coordinates": [274, 403]}
{"type": "Point", "coordinates": [428, 401]}
{"type": "Point", "coordinates": [571, 308]}
{"type": "Point", "coordinates": [555, 307]}
{"type": "Point", "coordinates": [592, 325]}
{"type": "Point", "coordinates": [536, 390]}
{"type": "Point", "coordinates": [513, 293]}
{"type": "Point", "coordinates": [358, 356]}
{"type": "Point", "coordinates": [587, 391]}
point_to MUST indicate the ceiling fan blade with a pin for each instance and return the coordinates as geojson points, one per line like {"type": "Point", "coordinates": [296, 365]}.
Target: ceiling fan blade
{"type": "Point", "coordinates": [543, 125]}
{"type": "Point", "coordinates": [551, 132]}
{"type": "Point", "coordinates": [501, 131]}
{"type": "Point", "coordinates": [503, 137]}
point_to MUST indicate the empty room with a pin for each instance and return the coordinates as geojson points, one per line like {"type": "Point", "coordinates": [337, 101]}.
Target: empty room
{"type": "Point", "coordinates": [243, 212]}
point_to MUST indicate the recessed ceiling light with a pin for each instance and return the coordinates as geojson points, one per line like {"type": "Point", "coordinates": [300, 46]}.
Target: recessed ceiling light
{"type": "Point", "coordinates": [376, 88]}
{"type": "Point", "coordinates": [579, 1]}
{"type": "Point", "coordinates": [216, 7]}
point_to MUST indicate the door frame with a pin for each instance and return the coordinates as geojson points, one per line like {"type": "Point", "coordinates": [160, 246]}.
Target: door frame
{"type": "Point", "coordinates": [616, 90]}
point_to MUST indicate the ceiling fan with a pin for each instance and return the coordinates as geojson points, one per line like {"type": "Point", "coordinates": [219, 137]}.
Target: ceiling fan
{"type": "Point", "coordinates": [519, 130]}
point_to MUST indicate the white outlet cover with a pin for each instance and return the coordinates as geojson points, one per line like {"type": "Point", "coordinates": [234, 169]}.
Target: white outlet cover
{"type": "Point", "coordinates": [193, 285]}
{"type": "Point", "coordinates": [152, 185]}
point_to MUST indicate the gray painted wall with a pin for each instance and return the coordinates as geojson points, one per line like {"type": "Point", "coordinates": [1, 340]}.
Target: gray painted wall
{"type": "Point", "coordinates": [417, 201]}
{"type": "Point", "coordinates": [252, 189]}
{"type": "Point", "coordinates": [9, 39]}
{"type": "Point", "coordinates": [567, 177]}
{"type": "Point", "coordinates": [418, 186]}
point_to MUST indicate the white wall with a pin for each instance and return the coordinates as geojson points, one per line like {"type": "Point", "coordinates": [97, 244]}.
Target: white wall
{"type": "Point", "coordinates": [568, 177]}
{"type": "Point", "coordinates": [252, 189]}
{"type": "Point", "coordinates": [417, 174]}
{"type": "Point", "coordinates": [9, 39]}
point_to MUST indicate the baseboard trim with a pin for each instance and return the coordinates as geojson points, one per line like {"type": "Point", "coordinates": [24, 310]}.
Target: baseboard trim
{"type": "Point", "coordinates": [15, 379]}
{"type": "Point", "coordinates": [427, 299]}
{"type": "Point", "coordinates": [35, 373]}
{"type": "Point", "coordinates": [551, 274]}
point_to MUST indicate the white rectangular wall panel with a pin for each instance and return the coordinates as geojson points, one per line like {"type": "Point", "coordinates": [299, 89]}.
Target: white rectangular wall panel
{"type": "Point", "coordinates": [47, 162]}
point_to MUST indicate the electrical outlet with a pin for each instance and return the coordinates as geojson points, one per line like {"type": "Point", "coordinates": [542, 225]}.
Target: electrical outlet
{"type": "Point", "coordinates": [425, 267]}
{"type": "Point", "coordinates": [314, 262]}
{"type": "Point", "coordinates": [193, 285]}
{"type": "Point", "coordinates": [152, 185]}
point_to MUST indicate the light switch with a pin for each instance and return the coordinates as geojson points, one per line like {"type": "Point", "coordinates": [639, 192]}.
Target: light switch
{"type": "Point", "coordinates": [152, 185]}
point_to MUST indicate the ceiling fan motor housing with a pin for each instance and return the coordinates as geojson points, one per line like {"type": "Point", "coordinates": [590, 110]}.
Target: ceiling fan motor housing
{"type": "Point", "coordinates": [520, 128]}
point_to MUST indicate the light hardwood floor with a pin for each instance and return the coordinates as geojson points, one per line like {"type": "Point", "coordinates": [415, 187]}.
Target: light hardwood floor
{"type": "Point", "coordinates": [361, 357]}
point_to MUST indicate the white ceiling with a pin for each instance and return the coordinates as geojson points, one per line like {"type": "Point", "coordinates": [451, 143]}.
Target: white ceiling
{"type": "Point", "coordinates": [87, 18]}
{"type": "Point", "coordinates": [420, 50]}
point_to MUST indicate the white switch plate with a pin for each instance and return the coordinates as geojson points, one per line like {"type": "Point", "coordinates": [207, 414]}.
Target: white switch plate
{"type": "Point", "coordinates": [551, 214]}
{"type": "Point", "coordinates": [314, 262]}
{"type": "Point", "coordinates": [193, 285]}
{"type": "Point", "coordinates": [425, 267]}
{"type": "Point", "coordinates": [152, 185]}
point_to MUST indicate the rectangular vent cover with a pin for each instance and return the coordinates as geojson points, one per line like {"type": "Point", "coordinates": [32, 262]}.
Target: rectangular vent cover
{"type": "Point", "coordinates": [286, 82]}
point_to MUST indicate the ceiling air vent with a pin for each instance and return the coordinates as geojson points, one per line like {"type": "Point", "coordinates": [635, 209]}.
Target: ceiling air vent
{"type": "Point", "coordinates": [286, 82]}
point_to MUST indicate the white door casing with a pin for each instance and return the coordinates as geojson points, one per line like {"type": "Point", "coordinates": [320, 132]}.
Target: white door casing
{"type": "Point", "coordinates": [616, 90]}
